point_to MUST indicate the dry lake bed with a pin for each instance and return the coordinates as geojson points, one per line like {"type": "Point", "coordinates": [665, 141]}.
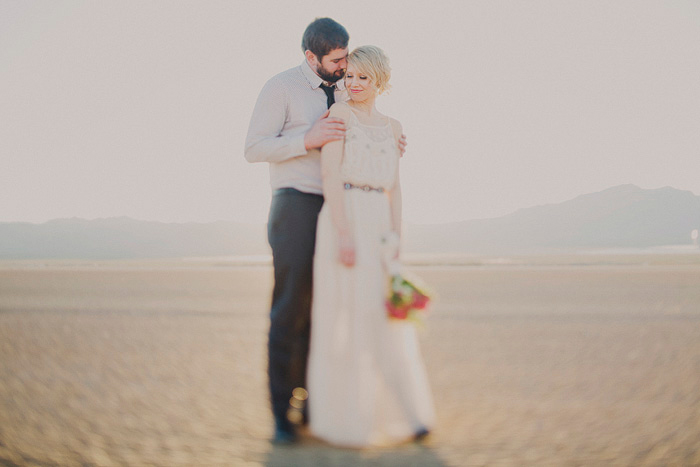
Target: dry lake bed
{"type": "Point", "coordinates": [566, 360]}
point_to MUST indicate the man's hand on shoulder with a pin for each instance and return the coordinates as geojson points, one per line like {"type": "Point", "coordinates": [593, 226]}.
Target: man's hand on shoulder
{"type": "Point", "coordinates": [400, 136]}
{"type": "Point", "coordinates": [402, 144]}
{"type": "Point", "coordinates": [325, 130]}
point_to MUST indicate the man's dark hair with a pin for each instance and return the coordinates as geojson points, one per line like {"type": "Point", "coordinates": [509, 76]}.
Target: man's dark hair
{"type": "Point", "coordinates": [324, 35]}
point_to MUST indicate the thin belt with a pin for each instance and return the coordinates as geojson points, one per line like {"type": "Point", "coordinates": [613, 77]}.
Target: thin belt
{"type": "Point", "coordinates": [350, 186]}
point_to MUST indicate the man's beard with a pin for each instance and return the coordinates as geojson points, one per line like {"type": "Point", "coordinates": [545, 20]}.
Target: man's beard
{"type": "Point", "coordinates": [328, 76]}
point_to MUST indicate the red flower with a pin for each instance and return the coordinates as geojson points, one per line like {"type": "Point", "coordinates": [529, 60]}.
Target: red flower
{"type": "Point", "coordinates": [420, 301]}
{"type": "Point", "coordinates": [396, 312]}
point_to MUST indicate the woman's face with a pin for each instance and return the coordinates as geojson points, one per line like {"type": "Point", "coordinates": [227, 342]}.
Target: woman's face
{"type": "Point", "coordinates": [358, 84]}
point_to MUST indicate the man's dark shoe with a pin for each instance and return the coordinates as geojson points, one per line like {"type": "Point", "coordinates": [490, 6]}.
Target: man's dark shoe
{"type": "Point", "coordinates": [421, 435]}
{"type": "Point", "coordinates": [284, 436]}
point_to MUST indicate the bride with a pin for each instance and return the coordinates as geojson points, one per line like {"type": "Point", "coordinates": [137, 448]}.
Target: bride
{"type": "Point", "coordinates": [366, 380]}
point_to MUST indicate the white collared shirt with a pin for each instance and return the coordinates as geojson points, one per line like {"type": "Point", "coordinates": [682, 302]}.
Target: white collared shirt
{"type": "Point", "coordinates": [288, 105]}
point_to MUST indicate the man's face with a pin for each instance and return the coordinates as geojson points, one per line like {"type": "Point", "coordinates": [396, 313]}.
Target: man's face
{"type": "Point", "coordinates": [332, 66]}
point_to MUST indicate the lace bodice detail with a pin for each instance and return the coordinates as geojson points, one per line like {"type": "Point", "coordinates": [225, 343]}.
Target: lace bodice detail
{"type": "Point", "coordinates": [371, 156]}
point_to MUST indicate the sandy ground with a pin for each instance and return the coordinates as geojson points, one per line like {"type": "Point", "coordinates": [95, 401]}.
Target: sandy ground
{"type": "Point", "coordinates": [164, 364]}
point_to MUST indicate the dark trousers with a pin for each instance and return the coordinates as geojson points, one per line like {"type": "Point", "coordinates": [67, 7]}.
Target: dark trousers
{"type": "Point", "coordinates": [291, 231]}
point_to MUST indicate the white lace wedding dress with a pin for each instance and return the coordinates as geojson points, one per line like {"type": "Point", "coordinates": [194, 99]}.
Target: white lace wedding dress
{"type": "Point", "coordinates": [366, 379]}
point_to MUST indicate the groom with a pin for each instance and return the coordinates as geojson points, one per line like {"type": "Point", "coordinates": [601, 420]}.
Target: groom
{"type": "Point", "coordinates": [288, 127]}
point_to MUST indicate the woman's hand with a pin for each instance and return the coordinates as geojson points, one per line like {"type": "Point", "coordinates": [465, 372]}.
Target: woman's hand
{"type": "Point", "coordinates": [346, 249]}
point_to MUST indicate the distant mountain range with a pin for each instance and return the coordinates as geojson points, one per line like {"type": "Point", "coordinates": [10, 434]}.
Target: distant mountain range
{"type": "Point", "coordinates": [624, 216]}
{"type": "Point", "coordinates": [122, 238]}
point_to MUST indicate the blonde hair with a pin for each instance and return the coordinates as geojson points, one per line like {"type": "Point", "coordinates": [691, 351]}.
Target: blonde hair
{"type": "Point", "coordinates": [373, 62]}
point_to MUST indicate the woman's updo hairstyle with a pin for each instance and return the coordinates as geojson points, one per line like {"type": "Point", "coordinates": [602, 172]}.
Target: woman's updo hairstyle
{"type": "Point", "coordinates": [373, 62]}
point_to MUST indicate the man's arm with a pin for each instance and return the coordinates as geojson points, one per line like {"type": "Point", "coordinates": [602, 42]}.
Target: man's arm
{"type": "Point", "coordinates": [264, 142]}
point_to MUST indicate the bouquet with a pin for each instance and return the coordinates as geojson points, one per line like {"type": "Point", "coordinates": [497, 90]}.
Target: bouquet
{"type": "Point", "coordinates": [407, 298]}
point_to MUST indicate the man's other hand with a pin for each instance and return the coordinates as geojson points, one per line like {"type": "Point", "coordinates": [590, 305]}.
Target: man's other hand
{"type": "Point", "coordinates": [402, 144]}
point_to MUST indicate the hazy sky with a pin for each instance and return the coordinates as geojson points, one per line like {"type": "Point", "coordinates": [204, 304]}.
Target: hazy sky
{"type": "Point", "coordinates": [140, 109]}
